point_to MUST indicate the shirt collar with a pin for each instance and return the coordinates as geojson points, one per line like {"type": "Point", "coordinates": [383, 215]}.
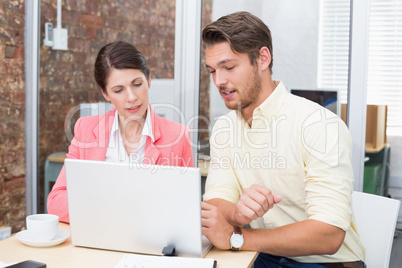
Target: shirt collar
{"type": "Point", "coordinates": [272, 105]}
{"type": "Point", "coordinates": [146, 131]}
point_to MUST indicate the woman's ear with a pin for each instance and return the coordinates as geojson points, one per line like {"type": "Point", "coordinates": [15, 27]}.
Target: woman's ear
{"type": "Point", "coordinates": [149, 81]}
{"type": "Point", "coordinates": [105, 95]}
{"type": "Point", "coordinates": [265, 58]}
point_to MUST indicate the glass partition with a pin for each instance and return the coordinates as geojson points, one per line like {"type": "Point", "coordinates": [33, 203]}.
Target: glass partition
{"type": "Point", "coordinates": [298, 50]}
{"type": "Point", "coordinates": [66, 76]}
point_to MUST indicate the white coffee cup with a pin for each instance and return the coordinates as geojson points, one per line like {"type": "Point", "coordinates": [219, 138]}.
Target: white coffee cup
{"type": "Point", "coordinates": [42, 227]}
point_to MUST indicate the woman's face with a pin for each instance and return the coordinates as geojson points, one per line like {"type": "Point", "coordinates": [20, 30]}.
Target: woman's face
{"type": "Point", "coordinates": [127, 89]}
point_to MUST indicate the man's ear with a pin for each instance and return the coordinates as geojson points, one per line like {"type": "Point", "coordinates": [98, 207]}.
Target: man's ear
{"type": "Point", "coordinates": [265, 58]}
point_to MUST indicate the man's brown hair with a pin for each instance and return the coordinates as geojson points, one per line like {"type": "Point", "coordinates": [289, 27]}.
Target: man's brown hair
{"type": "Point", "coordinates": [244, 32]}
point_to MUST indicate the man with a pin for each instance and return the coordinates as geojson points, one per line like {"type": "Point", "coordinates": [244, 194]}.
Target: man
{"type": "Point", "coordinates": [280, 163]}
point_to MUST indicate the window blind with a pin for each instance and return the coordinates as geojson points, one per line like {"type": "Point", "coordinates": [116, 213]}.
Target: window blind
{"type": "Point", "coordinates": [384, 82]}
{"type": "Point", "coordinates": [333, 57]}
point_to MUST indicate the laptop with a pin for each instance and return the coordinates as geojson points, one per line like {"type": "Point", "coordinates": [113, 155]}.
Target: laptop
{"type": "Point", "coordinates": [135, 208]}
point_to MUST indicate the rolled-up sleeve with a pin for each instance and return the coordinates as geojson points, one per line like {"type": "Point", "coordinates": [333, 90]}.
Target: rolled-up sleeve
{"type": "Point", "coordinates": [327, 149]}
{"type": "Point", "coordinates": [222, 181]}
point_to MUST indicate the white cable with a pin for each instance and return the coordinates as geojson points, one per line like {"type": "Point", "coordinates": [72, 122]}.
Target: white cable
{"type": "Point", "coordinates": [59, 14]}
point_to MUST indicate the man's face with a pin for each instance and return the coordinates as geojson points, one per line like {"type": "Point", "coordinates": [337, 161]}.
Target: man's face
{"type": "Point", "coordinates": [238, 81]}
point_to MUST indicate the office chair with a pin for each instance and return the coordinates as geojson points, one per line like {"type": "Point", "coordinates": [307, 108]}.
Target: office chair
{"type": "Point", "coordinates": [376, 218]}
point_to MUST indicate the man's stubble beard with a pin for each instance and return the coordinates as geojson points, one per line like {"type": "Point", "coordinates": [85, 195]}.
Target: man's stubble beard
{"type": "Point", "coordinates": [249, 95]}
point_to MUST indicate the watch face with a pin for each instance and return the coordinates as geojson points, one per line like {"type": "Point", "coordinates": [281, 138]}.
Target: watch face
{"type": "Point", "coordinates": [236, 241]}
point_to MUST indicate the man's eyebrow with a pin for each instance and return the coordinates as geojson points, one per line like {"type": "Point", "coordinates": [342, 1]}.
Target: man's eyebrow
{"type": "Point", "coordinates": [221, 63]}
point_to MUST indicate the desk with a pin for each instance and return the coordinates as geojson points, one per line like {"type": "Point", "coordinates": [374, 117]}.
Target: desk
{"type": "Point", "coordinates": [67, 255]}
{"type": "Point", "coordinates": [57, 158]}
{"type": "Point", "coordinates": [203, 165]}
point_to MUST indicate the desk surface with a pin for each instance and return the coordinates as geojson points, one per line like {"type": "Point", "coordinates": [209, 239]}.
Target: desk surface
{"type": "Point", "coordinates": [57, 158]}
{"type": "Point", "coordinates": [67, 255]}
{"type": "Point", "coordinates": [203, 165]}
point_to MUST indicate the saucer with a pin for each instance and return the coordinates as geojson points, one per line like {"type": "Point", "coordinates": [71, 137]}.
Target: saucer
{"type": "Point", "coordinates": [24, 238]}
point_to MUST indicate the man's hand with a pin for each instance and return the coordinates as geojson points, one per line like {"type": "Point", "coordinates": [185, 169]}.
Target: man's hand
{"type": "Point", "coordinates": [215, 227]}
{"type": "Point", "coordinates": [254, 203]}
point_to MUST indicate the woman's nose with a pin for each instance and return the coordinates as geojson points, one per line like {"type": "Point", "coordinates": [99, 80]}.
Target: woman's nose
{"type": "Point", "coordinates": [131, 95]}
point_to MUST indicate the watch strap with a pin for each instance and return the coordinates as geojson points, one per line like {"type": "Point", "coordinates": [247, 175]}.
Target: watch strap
{"type": "Point", "coordinates": [237, 230]}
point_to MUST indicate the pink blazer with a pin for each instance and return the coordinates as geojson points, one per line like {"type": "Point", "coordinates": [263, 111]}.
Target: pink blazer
{"type": "Point", "coordinates": [91, 137]}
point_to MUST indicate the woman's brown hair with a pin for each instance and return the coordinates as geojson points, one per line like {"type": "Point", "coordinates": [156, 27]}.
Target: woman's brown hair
{"type": "Point", "coordinates": [118, 55]}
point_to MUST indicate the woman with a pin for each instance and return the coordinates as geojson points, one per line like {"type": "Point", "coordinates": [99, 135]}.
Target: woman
{"type": "Point", "coordinates": [131, 132]}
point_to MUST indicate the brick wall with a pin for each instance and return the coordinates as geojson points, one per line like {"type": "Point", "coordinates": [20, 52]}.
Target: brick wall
{"type": "Point", "coordinates": [66, 78]}
{"type": "Point", "coordinates": [12, 112]}
{"type": "Point", "coordinates": [204, 122]}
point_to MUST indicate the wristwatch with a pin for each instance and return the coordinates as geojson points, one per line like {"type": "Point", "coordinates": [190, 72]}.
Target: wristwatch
{"type": "Point", "coordinates": [236, 240]}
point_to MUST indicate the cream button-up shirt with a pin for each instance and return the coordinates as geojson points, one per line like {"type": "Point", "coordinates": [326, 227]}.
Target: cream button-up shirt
{"type": "Point", "coordinates": [298, 150]}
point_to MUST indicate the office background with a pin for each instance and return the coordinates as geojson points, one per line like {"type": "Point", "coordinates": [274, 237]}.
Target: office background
{"type": "Point", "coordinates": [66, 76]}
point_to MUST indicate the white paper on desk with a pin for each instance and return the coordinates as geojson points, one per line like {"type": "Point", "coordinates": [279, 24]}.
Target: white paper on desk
{"type": "Point", "coordinates": [147, 261]}
{"type": "Point", "coordinates": [2, 264]}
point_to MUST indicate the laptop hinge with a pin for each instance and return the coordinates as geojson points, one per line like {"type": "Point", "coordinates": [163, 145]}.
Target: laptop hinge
{"type": "Point", "coordinates": [169, 251]}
